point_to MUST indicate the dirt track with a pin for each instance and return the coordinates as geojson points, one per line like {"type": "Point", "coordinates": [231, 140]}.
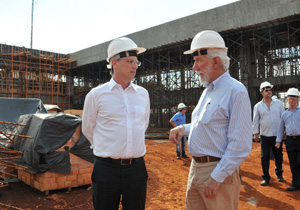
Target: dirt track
{"type": "Point", "coordinates": [166, 186]}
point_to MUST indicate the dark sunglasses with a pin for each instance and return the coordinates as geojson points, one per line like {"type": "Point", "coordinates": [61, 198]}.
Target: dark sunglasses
{"type": "Point", "coordinates": [268, 91]}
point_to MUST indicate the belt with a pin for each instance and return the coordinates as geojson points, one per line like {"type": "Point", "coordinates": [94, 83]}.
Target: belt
{"type": "Point", "coordinates": [205, 159]}
{"type": "Point", "coordinates": [122, 162]}
{"type": "Point", "coordinates": [294, 137]}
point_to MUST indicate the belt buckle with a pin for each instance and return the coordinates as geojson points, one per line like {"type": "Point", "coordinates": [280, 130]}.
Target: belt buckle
{"type": "Point", "coordinates": [125, 162]}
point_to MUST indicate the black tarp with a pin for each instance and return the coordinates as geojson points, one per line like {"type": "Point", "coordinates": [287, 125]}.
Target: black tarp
{"type": "Point", "coordinates": [50, 132]}
{"type": "Point", "coordinates": [12, 108]}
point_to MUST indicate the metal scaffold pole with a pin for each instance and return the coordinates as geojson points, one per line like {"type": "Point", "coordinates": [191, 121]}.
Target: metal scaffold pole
{"type": "Point", "coordinates": [31, 24]}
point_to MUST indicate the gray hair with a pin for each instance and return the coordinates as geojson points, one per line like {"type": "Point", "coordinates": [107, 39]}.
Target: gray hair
{"type": "Point", "coordinates": [110, 63]}
{"type": "Point", "coordinates": [222, 54]}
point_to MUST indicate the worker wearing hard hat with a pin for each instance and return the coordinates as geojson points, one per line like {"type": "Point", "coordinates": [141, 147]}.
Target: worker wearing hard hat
{"type": "Point", "coordinates": [180, 119]}
{"type": "Point", "coordinates": [274, 97]}
{"type": "Point", "coordinates": [290, 123]}
{"type": "Point", "coordinates": [220, 136]}
{"type": "Point", "coordinates": [115, 118]}
{"type": "Point", "coordinates": [266, 118]}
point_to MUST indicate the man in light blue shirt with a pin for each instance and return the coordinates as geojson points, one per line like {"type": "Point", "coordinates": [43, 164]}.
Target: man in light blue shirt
{"type": "Point", "coordinates": [290, 123]}
{"type": "Point", "coordinates": [176, 120]}
{"type": "Point", "coordinates": [220, 136]}
{"type": "Point", "coordinates": [266, 117]}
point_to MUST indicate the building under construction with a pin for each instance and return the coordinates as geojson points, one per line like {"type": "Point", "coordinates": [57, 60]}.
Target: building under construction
{"type": "Point", "coordinates": [262, 36]}
{"type": "Point", "coordinates": [26, 73]}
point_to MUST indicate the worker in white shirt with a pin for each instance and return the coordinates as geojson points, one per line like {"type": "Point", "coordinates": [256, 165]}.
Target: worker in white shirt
{"type": "Point", "coordinates": [266, 118]}
{"type": "Point", "coordinates": [115, 118]}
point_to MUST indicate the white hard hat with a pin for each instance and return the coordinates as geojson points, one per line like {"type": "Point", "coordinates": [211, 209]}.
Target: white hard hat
{"type": "Point", "coordinates": [265, 84]}
{"type": "Point", "coordinates": [181, 106]}
{"type": "Point", "coordinates": [205, 40]}
{"type": "Point", "coordinates": [125, 46]}
{"type": "Point", "coordinates": [274, 97]}
{"type": "Point", "coordinates": [293, 92]}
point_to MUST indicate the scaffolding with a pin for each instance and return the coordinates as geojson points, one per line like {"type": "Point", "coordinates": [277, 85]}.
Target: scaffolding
{"type": "Point", "coordinates": [26, 73]}
{"type": "Point", "coordinates": [266, 51]}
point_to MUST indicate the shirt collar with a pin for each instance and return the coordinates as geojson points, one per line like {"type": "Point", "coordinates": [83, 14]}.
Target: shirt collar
{"type": "Point", "coordinates": [112, 84]}
{"type": "Point", "coordinates": [297, 107]}
{"type": "Point", "coordinates": [218, 82]}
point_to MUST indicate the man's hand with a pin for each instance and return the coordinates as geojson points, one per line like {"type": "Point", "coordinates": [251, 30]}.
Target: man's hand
{"type": "Point", "coordinates": [176, 134]}
{"type": "Point", "coordinates": [255, 137]}
{"type": "Point", "coordinates": [277, 145]}
{"type": "Point", "coordinates": [211, 187]}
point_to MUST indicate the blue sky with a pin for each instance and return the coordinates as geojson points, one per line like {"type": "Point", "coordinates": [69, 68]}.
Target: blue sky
{"type": "Point", "coordinates": [66, 26]}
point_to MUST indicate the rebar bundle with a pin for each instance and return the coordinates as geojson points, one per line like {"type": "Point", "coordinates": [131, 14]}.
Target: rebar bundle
{"type": "Point", "coordinates": [10, 134]}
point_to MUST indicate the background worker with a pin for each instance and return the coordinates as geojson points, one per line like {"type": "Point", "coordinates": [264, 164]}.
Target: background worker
{"type": "Point", "coordinates": [274, 97]}
{"type": "Point", "coordinates": [115, 118]}
{"type": "Point", "coordinates": [290, 123]}
{"type": "Point", "coordinates": [220, 136]}
{"type": "Point", "coordinates": [179, 119]}
{"type": "Point", "coordinates": [266, 118]}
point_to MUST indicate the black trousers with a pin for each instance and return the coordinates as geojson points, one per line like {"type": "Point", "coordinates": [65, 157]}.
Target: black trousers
{"type": "Point", "coordinates": [268, 143]}
{"type": "Point", "coordinates": [112, 182]}
{"type": "Point", "coordinates": [293, 151]}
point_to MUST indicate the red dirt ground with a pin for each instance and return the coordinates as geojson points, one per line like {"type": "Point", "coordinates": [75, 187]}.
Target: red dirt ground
{"type": "Point", "coordinates": [166, 186]}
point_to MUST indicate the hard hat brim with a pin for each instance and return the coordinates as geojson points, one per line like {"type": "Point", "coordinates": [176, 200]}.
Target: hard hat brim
{"type": "Point", "coordinates": [137, 49]}
{"type": "Point", "coordinates": [265, 87]}
{"type": "Point", "coordinates": [192, 51]}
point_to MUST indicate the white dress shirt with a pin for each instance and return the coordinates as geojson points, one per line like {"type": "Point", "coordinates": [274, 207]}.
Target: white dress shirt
{"type": "Point", "coordinates": [267, 119]}
{"type": "Point", "coordinates": [115, 120]}
{"type": "Point", "coordinates": [221, 125]}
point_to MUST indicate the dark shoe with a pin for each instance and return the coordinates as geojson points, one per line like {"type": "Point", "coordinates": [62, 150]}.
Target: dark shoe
{"type": "Point", "coordinates": [292, 188]}
{"type": "Point", "coordinates": [264, 183]}
{"type": "Point", "coordinates": [185, 156]}
{"type": "Point", "coordinates": [280, 179]}
{"type": "Point", "coordinates": [178, 157]}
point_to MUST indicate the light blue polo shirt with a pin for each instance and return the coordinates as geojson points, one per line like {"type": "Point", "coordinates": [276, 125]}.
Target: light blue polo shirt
{"type": "Point", "coordinates": [178, 119]}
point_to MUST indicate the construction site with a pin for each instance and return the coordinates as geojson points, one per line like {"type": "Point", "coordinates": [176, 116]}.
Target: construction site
{"type": "Point", "coordinates": [263, 40]}
{"type": "Point", "coordinates": [268, 49]}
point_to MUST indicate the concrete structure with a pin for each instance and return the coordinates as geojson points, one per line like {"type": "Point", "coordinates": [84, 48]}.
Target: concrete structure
{"type": "Point", "coordinates": [233, 16]}
{"type": "Point", "coordinates": [263, 39]}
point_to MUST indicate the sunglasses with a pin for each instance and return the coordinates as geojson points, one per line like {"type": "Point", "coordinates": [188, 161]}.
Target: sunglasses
{"type": "Point", "coordinates": [268, 91]}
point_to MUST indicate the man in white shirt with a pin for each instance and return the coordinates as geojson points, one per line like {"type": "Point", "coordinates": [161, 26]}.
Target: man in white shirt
{"type": "Point", "coordinates": [266, 118]}
{"type": "Point", "coordinates": [220, 131]}
{"type": "Point", "coordinates": [115, 118]}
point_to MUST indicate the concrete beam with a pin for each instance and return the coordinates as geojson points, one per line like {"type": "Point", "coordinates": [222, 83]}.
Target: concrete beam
{"type": "Point", "coordinates": [232, 16]}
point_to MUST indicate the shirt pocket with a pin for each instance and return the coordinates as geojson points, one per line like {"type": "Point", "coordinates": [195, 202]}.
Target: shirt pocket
{"type": "Point", "coordinates": [140, 114]}
{"type": "Point", "coordinates": [208, 112]}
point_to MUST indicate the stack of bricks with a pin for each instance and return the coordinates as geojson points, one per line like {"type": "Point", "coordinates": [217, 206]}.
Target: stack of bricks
{"type": "Point", "coordinates": [80, 175]}
{"type": "Point", "coordinates": [81, 171]}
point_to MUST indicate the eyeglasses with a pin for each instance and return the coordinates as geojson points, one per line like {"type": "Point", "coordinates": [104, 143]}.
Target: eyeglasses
{"type": "Point", "coordinates": [268, 91]}
{"type": "Point", "coordinates": [131, 62]}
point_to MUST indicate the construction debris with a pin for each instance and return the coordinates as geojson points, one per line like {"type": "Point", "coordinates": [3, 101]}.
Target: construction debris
{"type": "Point", "coordinates": [9, 132]}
